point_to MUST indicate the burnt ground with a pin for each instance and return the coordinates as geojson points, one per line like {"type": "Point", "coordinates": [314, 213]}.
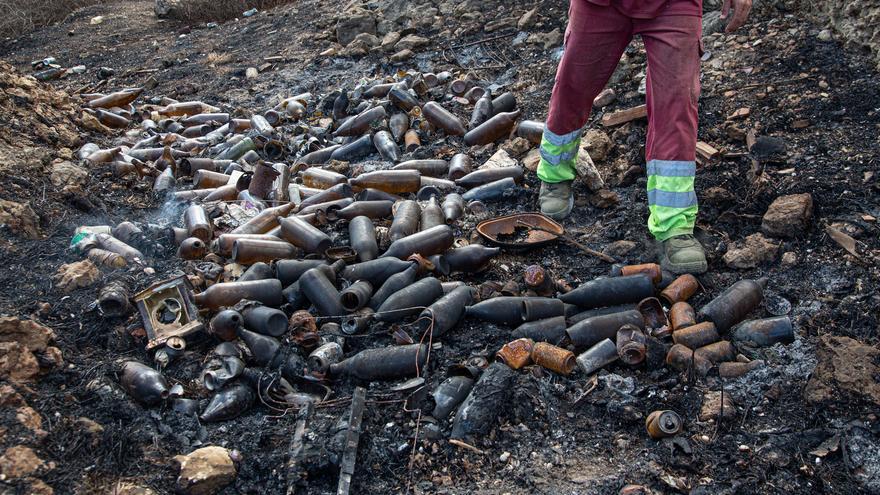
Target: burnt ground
{"type": "Point", "coordinates": [562, 435]}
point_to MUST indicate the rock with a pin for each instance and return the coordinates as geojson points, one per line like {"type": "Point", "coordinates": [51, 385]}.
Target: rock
{"type": "Point", "coordinates": [389, 40]}
{"type": "Point", "coordinates": [20, 218]}
{"type": "Point", "coordinates": [789, 259]}
{"type": "Point", "coordinates": [587, 171]}
{"type": "Point", "coordinates": [30, 419]}
{"type": "Point", "coordinates": [500, 24]}
{"type": "Point", "coordinates": [847, 365]}
{"type": "Point", "coordinates": [605, 98]}
{"type": "Point", "coordinates": [205, 471]}
{"type": "Point", "coordinates": [532, 160]}
{"type": "Point", "coordinates": [65, 173]}
{"type": "Point", "coordinates": [92, 429]}
{"type": "Point", "coordinates": [597, 144]}
{"type": "Point", "coordinates": [499, 160]}
{"type": "Point", "coordinates": [20, 462]}
{"type": "Point", "coordinates": [619, 249]}
{"type": "Point", "coordinates": [715, 406]}
{"type": "Point", "coordinates": [717, 196]}
{"type": "Point", "coordinates": [769, 148]}
{"type": "Point", "coordinates": [411, 42]}
{"type": "Point", "coordinates": [367, 39]}
{"type": "Point", "coordinates": [402, 55]}
{"type": "Point", "coordinates": [353, 23]}
{"type": "Point", "coordinates": [548, 40]}
{"type": "Point", "coordinates": [130, 488]}
{"type": "Point", "coordinates": [72, 276]}
{"type": "Point", "coordinates": [17, 363]}
{"type": "Point", "coordinates": [788, 216]}
{"type": "Point", "coordinates": [516, 146]}
{"type": "Point", "coordinates": [39, 487]}
{"type": "Point", "coordinates": [825, 35]}
{"type": "Point", "coordinates": [251, 73]}
{"type": "Point", "coordinates": [33, 336]}
{"type": "Point", "coordinates": [527, 20]}
{"type": "Point", "coordinates": [604, 198]}
{"type": "Point", "coordinates": [755, 250]}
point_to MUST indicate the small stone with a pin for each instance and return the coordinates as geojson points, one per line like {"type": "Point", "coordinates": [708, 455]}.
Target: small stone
{"type": "Point", "coordinates": [72, 276]}
{"type": "Point", "coordinates": [17, 363]}
{"type": "Point", "coordinates": [605, 98]}
{"type": "Point", "coordinates": [788, 216]}
{"type": "Point", "coordinates": [251, 73]}
{"type": "Point", "coordinates": [825, 35]}
{"type": "Point", "coordinates": [39, 487]}
{"type": "Point", "coordinates": [389, 40]}
{"type": "Point", "coordinates": [367, 39]}
{"type": "Point", "coordinates": [715, 405]}
{"type": "Point", "coordinates": [504, 457]}
{"type": "Point", "coordinates": [19, 462]}
{"type": "Point", "coordinates": [499, 160]}
{"type": "Point", "coordinates": [330, 52]}
{"type": "Point", "coordinates": [205, 471]}
{"type": "Point", "coordinates": [527, 20]}
{"type": "Point", "coordinates": [619, 249]}
{"type": "Point", "coordinates": [755, 250]}
{"type": "Point", "coordinates": [717, 195]}
{"type": "Point", "coordinates": [769, 148]}
{"type": "Point", "coordinates": [411, 42]}
{"type": "Point", "coordinates": [20, 218]}
{"type": "Point", "coordinates": [532, 160]}
{"type": "Point", "coordinates": [98, 19]}
{"type": "Point", "coordinates": [588, 172]}
{"type": "Point", "coordinates": [402, 55]}
{"type": "Point", "coordinates": [92, 429]}
{"type": "Point", "coordinates": [604, 198]}
{"type": "Point", "coordinates": [516, 146]}
{"type": "Point", "coordinates": [548, 40]}
{"type": "Point", "coordinates": [30, 419]}
{"type": "Point", "coordinates": [130, 488]}
{"type": "Point", "coordinates": [789, 259]}
{"type": "Point", "coordinates": [740, 113]}
{"type": "Point", "coordinates": [597, 144]}
{"type": "Point", "coordinates": [65, 173]}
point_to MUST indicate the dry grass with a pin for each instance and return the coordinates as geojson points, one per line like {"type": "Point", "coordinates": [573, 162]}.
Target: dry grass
{"type": "Point", "coordinates": [218, 10]}
{"type": "Point", "coordinates": [21, 16]}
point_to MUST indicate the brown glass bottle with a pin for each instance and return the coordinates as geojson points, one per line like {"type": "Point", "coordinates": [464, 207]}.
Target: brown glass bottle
{"type": "Point", "coordinates": [267, 291]}
{"type": "Point", "coordinates": [265, 221]}
{"type": "Point", "coordinates": [493, 129]}
{"type": "Point", "coordinates": [389, 181]}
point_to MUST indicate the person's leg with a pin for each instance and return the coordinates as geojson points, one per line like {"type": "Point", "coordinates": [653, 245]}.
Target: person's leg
{"type": "Point", "coordinates": [672, 44]}
{"type": "Point", "coordinates": [595, 39]}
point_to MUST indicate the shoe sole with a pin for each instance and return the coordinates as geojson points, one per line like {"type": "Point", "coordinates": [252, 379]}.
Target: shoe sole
{"type": "Point", "coordinates": [561, 215]}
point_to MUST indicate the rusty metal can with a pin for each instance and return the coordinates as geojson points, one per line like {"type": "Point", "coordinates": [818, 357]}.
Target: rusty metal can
{"type": "Point", "coordinates": [682, 315]}
{"type": "Point", "coordinates": [716, 352]}
{"type": "Point", "coordinates": [696, 336]}
{"type": "Point", "coordinates": [553, 358]}
{"type": "Point", "coordinates": [662, 424]}
{"type": "Point", "coordinates": [516, 354]}
{"type": "Point", "coordinates": [681, 289]}
{"type": "Point", "coordinates": [650, 269]}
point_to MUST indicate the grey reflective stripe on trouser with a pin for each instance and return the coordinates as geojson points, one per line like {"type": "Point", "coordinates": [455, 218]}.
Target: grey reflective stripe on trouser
{"type": "Point", "coordinates": [672, 199]}
{"type": "Point", "coordinates": [672, 168]}
{"type": "Point", "coordinates": [560, 139]}
{"type": "Point", "coordinates": [555, 160]}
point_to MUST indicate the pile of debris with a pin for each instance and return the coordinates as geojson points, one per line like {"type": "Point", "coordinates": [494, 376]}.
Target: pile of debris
{"type": "Point", "coordinates": [317, 229]}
